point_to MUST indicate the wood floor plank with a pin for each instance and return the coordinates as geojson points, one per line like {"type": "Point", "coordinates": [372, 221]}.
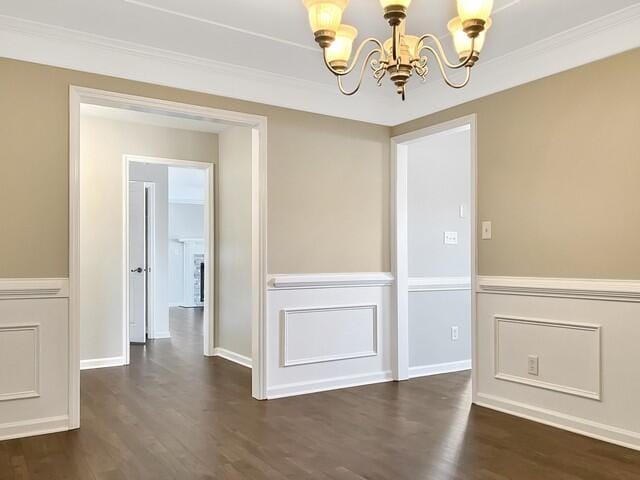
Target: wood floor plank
{"type": "Point", "coordinates": [175, 414]}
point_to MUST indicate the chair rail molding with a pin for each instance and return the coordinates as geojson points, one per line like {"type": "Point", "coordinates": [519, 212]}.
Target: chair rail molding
{"type": "Point", "coordinates": [16, 288]}
{"type": "Point", "coordinates": [284, 281]}
{"type": "Point", "coordinates": [594, 289]}
{"type": "Point", "coordinates": [438, 284]}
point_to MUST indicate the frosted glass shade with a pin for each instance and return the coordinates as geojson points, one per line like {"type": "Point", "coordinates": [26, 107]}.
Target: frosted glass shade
{"type": "Point", "coordinates": [325, 14]}
{"type": "Point", "coordinates": [474, 9]}
{"type": "Point", "coordinates": [461, 40]}
{"type": "Point", "coordinates": [340, 49]}
{"type": "Point", "coordinates": [392, 3]}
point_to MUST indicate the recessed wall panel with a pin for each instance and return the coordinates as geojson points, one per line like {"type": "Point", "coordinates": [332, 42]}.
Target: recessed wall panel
{"type": "Point", "coordinates": [313, 335]}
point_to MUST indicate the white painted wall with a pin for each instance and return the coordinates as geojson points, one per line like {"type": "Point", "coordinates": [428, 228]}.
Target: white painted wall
{"type": "Point", "coordinates": [186, 220]}
{"type": "Point", "coordinates": [233, 233]}
{"type": "Point", "coordinates": [103, 143]}
{"type": "Point", "coordinates": [158, 174]}
{"type": "Point", "coordinates": [439, 172]}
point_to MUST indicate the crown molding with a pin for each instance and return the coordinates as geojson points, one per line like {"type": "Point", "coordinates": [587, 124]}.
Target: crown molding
{"type": "Point", "coordinates": [61, 47]}
{"type": "Point", "coordinates": [586, 43]}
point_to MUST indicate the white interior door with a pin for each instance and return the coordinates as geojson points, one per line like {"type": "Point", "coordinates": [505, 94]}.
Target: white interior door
{"type": "Point", "coordinates": [137, 263]}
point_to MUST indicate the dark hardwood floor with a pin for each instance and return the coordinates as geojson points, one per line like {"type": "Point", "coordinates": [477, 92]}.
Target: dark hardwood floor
{"type": "Point", "coordinates": [173, 414]}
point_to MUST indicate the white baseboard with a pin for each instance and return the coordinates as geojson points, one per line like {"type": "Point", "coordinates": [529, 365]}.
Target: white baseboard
{"type": "Point", "coordinates": [303, 388]}
{"type": "Point", "coordinates": [438, 368]}
{"type": "Point", "coordinates": [232, 357]}
{"type": "Point", "coordinates": [160, 335]}
{"type": "Point", "coordinates": [30, 428]}
{"type": "Point", "coordinates": [101, 363]}
{"type": "Point", "coordinates": [582, 426]}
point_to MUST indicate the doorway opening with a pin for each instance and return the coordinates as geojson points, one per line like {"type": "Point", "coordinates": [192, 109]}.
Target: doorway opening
{"type": "Point", "coordinates": [434, 250]}
{"type": "Point", "coordinates": [113, 283]}
{"type": "Point", "coordinates": [168, 248]}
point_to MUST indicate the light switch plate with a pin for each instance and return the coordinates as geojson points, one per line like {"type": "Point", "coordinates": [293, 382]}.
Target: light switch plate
{"type": "Point", "coordinates": [533, 365]}
{"type": "Point", "coordinates": [486, 230]}
{"type": "Point", "coordinates": [451, 238]}
{"type": "Point", "coordinates": [455, 333]}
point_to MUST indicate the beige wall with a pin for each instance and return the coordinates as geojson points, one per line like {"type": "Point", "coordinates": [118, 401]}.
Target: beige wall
{"type": "Point", "coordinates": [559, 172]}
{"type": "Point", "coordinates": [233, 233]}
{"type": "Point", "coordinates": [558, 175]}
{"type": "Point", "coordinates": [103, 142]}
{"type": "Point", "coordinates": [327, 177]}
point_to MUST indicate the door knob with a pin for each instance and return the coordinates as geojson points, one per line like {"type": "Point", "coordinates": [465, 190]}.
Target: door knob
{"type": "Point", "coordinates": [137, 270]}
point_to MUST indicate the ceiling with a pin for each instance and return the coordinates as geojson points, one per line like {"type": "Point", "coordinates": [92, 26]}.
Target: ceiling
{"type": "Point", "coordinates": [264, 51]}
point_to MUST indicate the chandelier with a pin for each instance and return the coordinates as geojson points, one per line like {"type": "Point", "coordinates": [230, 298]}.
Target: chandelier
{"type": "Point", "coordinates": [401, 55]}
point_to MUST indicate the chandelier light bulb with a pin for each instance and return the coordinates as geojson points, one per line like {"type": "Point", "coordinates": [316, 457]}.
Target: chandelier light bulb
{"type": "Point", "coordinates": [474, 9]}
{"type": "Point", "coordinates": [395, 10]}
{"type": "Point", "coordinates": [474, 15]}
{"type": "Point", "coordinates": [324, 18]}
{"type": "Point", "coordinates": [339, 52]}
{"type": "Point", "coordinates": [461, 40]}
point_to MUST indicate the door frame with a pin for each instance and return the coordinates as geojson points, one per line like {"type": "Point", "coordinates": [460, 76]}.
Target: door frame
{"type": "Point", "coordinates": [209, 233]}
{"type": "Point", "coordinates": [399, 245]}
{"type": "Point", "coordinates": [258, 124]}
{"type": "Point", "coordinates": [150, 227]}
{"type": "Point", "coordinates": [150, 255]}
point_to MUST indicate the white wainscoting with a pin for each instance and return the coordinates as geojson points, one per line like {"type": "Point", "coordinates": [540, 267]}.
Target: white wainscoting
{"type": "Point", "coordinates": [327, 331]}
{"type": "Point", "coordinates": [34, 356]}
{"type": "Point", "coordinates": [324, 334]}
{"type": "Point", "coordinates": [585, 333]}
{"type": "Point", "coordinates": [20, 360]}
{"type": "Point", "coordinates": [574, 370]}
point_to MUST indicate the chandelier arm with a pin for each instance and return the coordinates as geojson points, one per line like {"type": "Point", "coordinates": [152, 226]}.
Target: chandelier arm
{"type": "Point", "coordinates": [444, 72]}
{"type": "Point", "coordinates": [341, 73]}
{"type": "Point", "coordinates": [362, 69]}
{"type": "Point", "coordinates": [441, 53]}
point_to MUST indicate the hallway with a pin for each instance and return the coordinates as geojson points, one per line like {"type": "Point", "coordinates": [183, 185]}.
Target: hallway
{"type": "Point", "coordinates": [174, 414]}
